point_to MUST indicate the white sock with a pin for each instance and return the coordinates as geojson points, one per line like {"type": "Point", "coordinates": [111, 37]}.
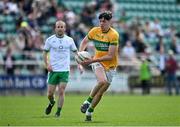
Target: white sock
{"type": "Point", "coordinates": [86, 102]}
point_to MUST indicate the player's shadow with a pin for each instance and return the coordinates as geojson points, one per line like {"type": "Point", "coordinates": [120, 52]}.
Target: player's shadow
{"type": "Point", "coordinates": [90, 122]}
{"type": "Point", "coordinates": [43, 116]}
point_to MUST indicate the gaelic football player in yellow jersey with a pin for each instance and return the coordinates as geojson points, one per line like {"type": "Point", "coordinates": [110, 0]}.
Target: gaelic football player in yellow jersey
{"type": "Point", "coordinates": [105, 61]}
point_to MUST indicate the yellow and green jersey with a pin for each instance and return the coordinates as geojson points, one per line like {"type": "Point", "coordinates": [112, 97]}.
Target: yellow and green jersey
{"type": "Point", "coordinates": [102, 41]}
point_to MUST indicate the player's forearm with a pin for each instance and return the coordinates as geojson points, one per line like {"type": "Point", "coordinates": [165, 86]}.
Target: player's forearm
{"type": "Point", "coordinates": [83, 44]}
{"type": "Point", "coordinates": [104, 58]}
{"type": "Point", "coordinates": [45, 56]}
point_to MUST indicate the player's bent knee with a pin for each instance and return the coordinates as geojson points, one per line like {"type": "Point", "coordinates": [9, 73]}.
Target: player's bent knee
{"type": "Point", "coordinates": [103, 82]}
{"type": "Point", "coordinates": [61, 93]}
{"type": "Point", "coordinates": [50, 95]}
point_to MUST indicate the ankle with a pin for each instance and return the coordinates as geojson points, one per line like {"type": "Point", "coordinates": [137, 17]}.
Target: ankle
{"type": "Point", "coordinates": [59, 109]}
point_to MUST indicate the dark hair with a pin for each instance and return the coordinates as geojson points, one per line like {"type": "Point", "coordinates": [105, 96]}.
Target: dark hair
{"type": "Point", "coordinates": [106, 15]}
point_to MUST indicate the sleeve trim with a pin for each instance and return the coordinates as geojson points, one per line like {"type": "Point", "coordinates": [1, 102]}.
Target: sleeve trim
{"type": "Point", "coordinates": [74, 50]}
{"type": "Point", "coordinates": [114, 43]}
{"type": "Point", "coordinates": [89, 37]}
{"type": "Point", "coordinates": [46, 50]}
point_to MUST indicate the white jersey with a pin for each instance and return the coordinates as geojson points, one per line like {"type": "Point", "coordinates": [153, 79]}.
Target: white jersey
{"type": "Point", "coordinates": [59, 52]}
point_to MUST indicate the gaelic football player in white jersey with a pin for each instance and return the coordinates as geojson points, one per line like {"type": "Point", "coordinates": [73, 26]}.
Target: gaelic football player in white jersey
{"type": "Point", "coordinates": [59, 47]}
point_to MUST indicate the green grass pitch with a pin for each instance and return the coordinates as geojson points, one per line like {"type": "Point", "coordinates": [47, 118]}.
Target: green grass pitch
{"type": "Point", "coordinates": [113, 110]}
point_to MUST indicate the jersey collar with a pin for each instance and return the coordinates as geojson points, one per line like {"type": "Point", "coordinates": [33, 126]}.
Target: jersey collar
{"type": "Point", "coordinates": [107, 30]}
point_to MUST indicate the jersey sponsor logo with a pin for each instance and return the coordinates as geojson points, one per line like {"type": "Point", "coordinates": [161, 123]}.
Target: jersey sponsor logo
{"type": "Point", "coordinates": [101, 46]}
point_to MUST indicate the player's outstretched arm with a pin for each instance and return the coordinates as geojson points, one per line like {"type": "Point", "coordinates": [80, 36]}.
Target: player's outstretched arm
{"type": "Point", "coordinates": [83, 44]}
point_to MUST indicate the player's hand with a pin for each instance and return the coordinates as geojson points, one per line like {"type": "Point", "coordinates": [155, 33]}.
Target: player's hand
{"type": "Point", "coordinates": [49, 68]}
{"type": "Point", "coordinates": [81, 69]}
{"type": "Point", "coordinates": [87, 62]}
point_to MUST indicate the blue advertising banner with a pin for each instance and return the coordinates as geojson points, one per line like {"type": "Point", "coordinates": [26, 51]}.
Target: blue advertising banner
{"type": "Point", "coordinates": [23, 82]}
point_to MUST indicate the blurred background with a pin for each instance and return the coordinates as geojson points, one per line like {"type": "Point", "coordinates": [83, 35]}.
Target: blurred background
{"type": "Point", "coordinates": [149, 31]}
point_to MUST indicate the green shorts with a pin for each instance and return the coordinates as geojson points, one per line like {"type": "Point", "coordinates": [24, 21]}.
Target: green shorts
{"type": "Point", "coordinates": [55, 78]}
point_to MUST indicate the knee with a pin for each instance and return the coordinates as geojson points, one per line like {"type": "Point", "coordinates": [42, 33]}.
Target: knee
{"type": "Point", "coordinates": [50, 94]}
{"type": "Point", "coordinates": [103, 82]}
